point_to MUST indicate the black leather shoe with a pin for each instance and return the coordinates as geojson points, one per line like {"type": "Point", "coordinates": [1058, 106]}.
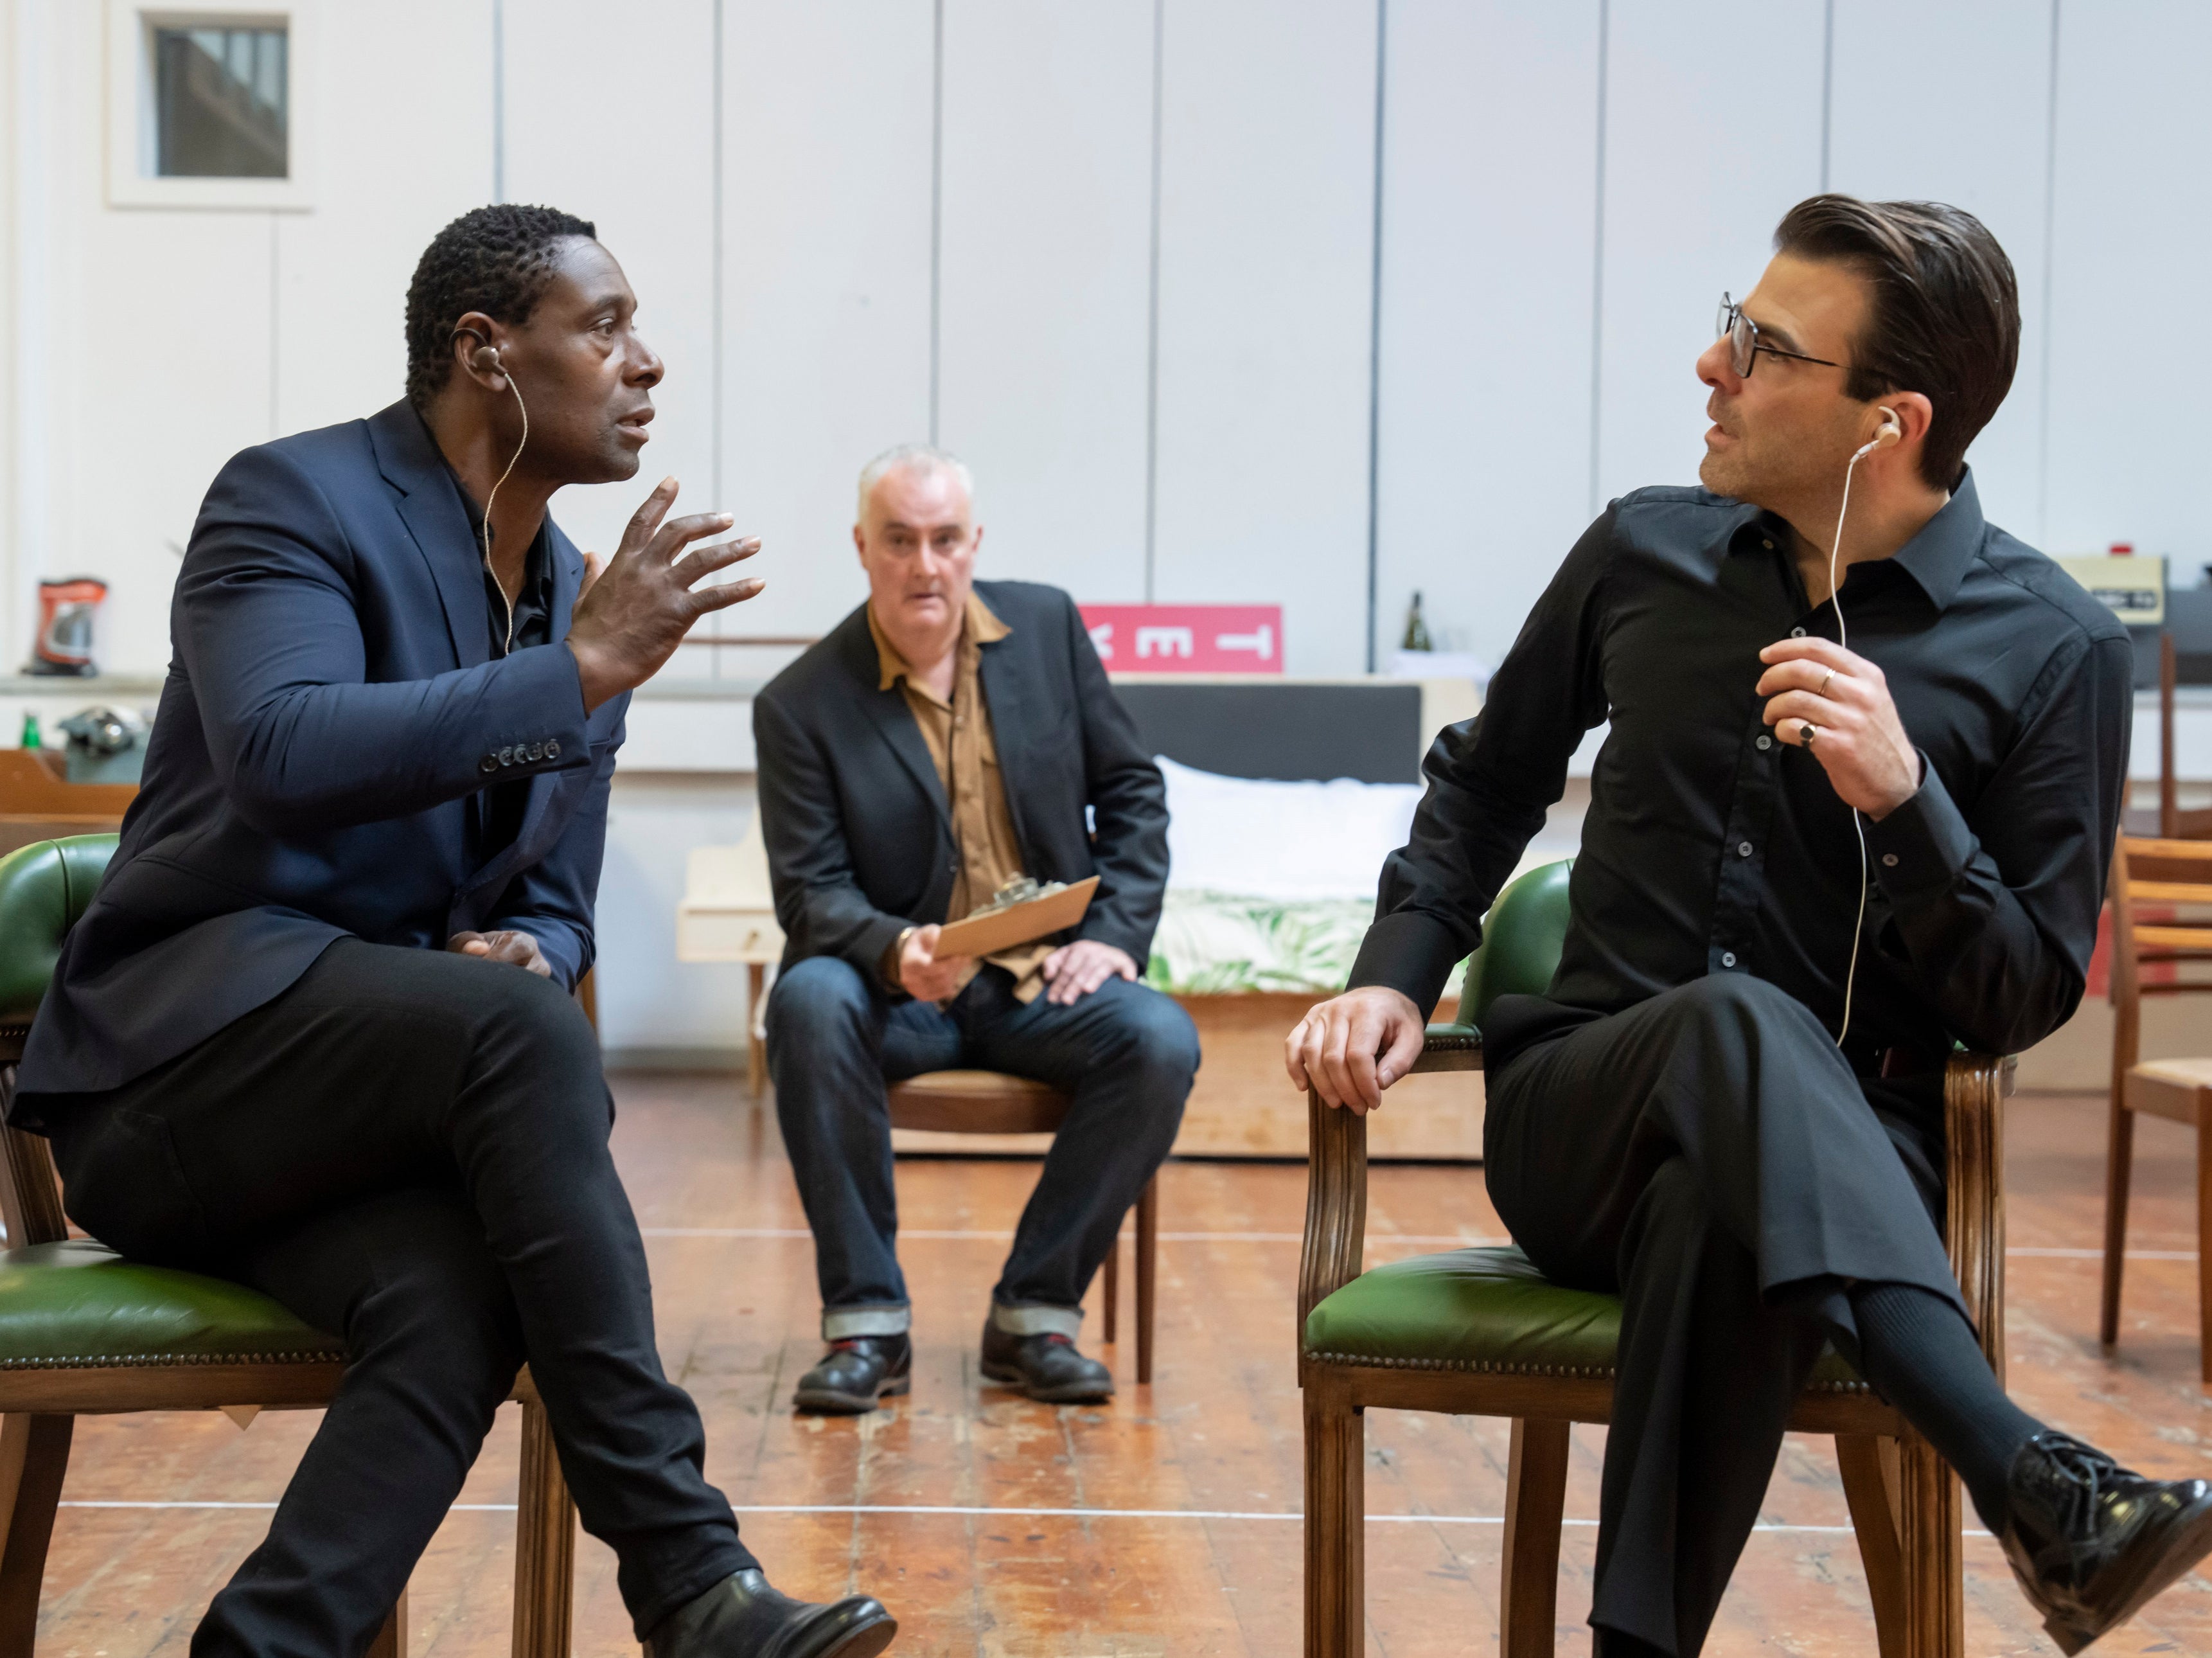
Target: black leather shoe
{"type": "Point", "coordinates": [855, 1373]}
{"type": "Point", "coordinates": [744, 1616]}
{"type": "Point", "coordinates": [1046, 1368]}
{"type": "Point", "coordinates": [2091, 1541]}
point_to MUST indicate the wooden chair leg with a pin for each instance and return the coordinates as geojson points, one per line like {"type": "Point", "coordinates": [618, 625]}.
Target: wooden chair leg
{"type": "Point", "coordinates": [544, 1543]}
{"type": "Point", "coordinates": [1535, 1505]}
{"type": "Point", "coordinates": [2119, 1166]}
{"type": "Point", "coordinates": [756, 1049]}
{"type": "Point", "coordinates": [1148, 1244]}
{"type": "Point", "coordinates": [1112, 1291]}
{"type": "Point", "coordinates": [1870, 1476]}
{"type": "Point", "coordinates": [1932, 1548]}
{"type": "Point", "coordinates": [1336, 1516]}
{"type": "Point", "coordinates": [392, 1640]}
{"type": "Point", "coordinates": [33, 1459]}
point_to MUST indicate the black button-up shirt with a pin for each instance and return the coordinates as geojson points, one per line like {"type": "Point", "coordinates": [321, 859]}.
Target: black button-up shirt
{"type": "Point", "coordinates": [499, 808]}
{"type": "Point", "coordinates": [1711, 846]}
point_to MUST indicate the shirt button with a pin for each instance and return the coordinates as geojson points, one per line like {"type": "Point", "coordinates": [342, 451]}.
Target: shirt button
{"type": "Point", "coordinates": [1889, 860]}
{"type": "Point", "coordinates": [1743, 849]}
{"type": "Point", "coordinates": [1727, 957]}
{"type": "Point", "coordinates": [1769, 546]}
{"type": "Point", "coordinates": [1796, 632]}
{"type": "Point", "coordinates": [1765, 743]}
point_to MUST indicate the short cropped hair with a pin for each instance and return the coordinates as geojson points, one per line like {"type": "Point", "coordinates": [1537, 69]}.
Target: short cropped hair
{"type": "Point", "coordinates": [1945, 316]}
{"type": "Point", "coordinates": [921, 457]}
{"type": "Point", "coordinates": [498, 260]}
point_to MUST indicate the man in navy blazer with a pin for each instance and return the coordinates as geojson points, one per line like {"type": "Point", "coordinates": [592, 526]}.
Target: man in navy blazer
{"type": "Point", "coordinates": [314, 1032]}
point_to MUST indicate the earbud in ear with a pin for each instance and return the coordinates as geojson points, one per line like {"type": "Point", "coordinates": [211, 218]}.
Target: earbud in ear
{"type": "Point", "coordinates": [1892, 429]}
{"type": "Point", "coordinates": [487, 358]}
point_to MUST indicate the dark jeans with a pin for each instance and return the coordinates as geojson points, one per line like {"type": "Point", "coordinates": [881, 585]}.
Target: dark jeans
{"type": "Point", "coordinates": [1125, 1054]}
{"type": "Point", "coordinates": [409, 1149]}
{"type": "Point", "coordinates": [1709, 1155]}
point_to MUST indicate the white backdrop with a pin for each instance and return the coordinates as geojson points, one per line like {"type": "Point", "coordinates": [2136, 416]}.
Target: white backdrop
{"type": "Point", "coordinates": [1124, 256]}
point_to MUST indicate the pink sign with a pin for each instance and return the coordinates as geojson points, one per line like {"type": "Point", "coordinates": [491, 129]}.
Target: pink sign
{"type": "Point", "coordinates": [1187, 638]}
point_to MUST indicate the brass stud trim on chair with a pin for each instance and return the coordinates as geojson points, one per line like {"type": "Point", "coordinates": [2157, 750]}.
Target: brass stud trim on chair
{"type": "Point", "coordinates": [157, 1361]}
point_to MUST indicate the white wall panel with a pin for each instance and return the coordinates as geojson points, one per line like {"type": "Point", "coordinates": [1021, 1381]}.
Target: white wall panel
{"type": "Point", "coordinates": [1045, 272]}
{"type": "Point", "coordinates": [343, 270]}
{"type": "Point", "coordinates": [166, 321]}
{"type": "Point", "coordinates": [1265, 252]}
{"type": "Point", "coordinates": [827, 283]}
{"type": "Point", "coordinates": [1712, 133]}
{"type": "Point", "coordinates": [1488, 225]}
{"type": "Point", "coordinates": [645, 178]}
{"type": "Point", "coordinates": [2133, 220]}
{"type": "Point", "coordinates": [1962, 118]}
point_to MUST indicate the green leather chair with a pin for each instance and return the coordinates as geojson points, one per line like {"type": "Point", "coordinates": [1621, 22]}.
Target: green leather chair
{"type": "Point", "coordinates": [84, 1331]}
{"type": "Point", "coordinates": [1481, 1332]}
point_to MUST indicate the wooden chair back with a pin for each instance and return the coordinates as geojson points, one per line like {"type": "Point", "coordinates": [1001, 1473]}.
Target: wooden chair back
{"type": "Point", "coordinates": [2173, 823]}
{"type": "Point", "coordinates": [2149, 877]}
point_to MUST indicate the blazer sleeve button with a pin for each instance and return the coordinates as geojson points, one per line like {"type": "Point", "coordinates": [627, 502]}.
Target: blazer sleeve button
{"type": "Point", "coordinates": [506, 757]}
{"type": "Point", "coordinates": [538, 751]}
{"type": "Point", "coordinates": [553, 750]}
{"type": "Point", "coordinates": [489, 763]}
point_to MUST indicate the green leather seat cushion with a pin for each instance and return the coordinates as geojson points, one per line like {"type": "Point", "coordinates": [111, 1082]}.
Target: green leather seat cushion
{"type": "Point", "coordinates": [1484, 1310]}
{"type": "Point", "coordinates": [65, 1305]}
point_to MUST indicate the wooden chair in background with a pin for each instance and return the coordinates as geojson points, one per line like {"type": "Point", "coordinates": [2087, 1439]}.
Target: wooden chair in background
{"type": "Point", "coordinates": [37, 802]}
{"type": "Point", "coordinates": [2167, 874]}
{"type": "Point", "coordinates": [1481, 1332]}
{"type": "Point", "coordinates": [992, 1103]}
{"type": "Point", "coordinates": [84, 1331]}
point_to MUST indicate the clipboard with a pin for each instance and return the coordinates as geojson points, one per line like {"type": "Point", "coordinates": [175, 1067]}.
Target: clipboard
{"type": "Point", "coordinates": [1018, 923]}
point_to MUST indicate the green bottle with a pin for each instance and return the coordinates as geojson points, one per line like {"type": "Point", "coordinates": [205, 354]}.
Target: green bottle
{"type": "Point", "coordinates": [30, 737]}
{"type": "Point", "coordinates": [1417, 630]}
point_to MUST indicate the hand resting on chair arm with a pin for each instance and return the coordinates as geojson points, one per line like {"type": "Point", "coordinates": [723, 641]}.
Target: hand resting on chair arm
{"type": "Point", "coordinates": [1353, 1046]}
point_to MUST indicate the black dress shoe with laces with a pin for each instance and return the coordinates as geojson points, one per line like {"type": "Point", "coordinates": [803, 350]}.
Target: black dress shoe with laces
{"type": "Point", "coordinates": [745, 1616]}
{"type": "Point", "coordinates": [855, 1373]}
{"type": "Point", "coordinates": [2091, 1541]}
{"type": "Point", "coordinates": [1047, 1368]}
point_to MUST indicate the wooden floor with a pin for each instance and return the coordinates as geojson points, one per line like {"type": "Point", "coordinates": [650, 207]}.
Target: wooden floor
{"type": "Point", "coordinates": [955, 1506]}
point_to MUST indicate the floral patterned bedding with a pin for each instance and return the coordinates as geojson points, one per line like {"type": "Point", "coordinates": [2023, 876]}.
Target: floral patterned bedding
{"type": "Point", "coordinates": [1217, 943]}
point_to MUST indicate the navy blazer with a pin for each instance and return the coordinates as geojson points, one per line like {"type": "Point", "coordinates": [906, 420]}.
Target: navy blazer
{"type": "Point", "coordinates": [861, 842]}
{"type": "Point", "coordinates": [331, 705]}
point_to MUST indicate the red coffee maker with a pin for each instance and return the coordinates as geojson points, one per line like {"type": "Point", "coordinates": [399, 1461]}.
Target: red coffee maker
{"type": "Point", "coordinates": [68, 608]}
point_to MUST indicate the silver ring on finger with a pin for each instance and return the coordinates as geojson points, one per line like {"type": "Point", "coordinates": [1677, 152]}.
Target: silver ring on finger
{"type": "Point", "coordinates": [1806, 732]}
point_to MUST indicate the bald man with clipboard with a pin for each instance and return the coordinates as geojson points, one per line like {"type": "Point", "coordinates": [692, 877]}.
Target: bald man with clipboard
{"type": "Point", "coordinates": [944, 745]}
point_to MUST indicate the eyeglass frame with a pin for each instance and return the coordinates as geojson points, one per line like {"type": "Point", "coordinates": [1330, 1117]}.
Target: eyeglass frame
{"type": "Point", "coordinates": [1731, 315]}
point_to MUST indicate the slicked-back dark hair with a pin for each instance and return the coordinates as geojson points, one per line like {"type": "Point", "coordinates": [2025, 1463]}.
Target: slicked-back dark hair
{"type": "Point", "coordinates": [1945, 314]}
{"type": "Point", "coordinates": [497, 261]}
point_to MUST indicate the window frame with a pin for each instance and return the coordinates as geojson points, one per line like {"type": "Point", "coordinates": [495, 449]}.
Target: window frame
{"type": "Point", "coordinates": [131, 182]}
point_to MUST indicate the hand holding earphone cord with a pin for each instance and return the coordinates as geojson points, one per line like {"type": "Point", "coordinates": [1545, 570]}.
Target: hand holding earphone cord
{"type": "Point", "coordinates": [1889, 434]}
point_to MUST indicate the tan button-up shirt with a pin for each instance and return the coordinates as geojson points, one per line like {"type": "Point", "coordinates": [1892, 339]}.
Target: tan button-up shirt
{"type": "Point", "coordinates": [958, 735]}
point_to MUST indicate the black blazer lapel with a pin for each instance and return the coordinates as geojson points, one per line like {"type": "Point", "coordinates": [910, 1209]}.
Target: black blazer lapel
{"type": "Point", "coordinates": [432, 512]}
{"type": "Point", "coordinates": [887, 711]}
{"type": "Point", "coordinates": [1011, 732]}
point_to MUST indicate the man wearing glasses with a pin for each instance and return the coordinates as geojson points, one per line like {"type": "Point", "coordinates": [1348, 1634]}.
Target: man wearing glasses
{"type": "Point", "coordinates": [1821, 848]}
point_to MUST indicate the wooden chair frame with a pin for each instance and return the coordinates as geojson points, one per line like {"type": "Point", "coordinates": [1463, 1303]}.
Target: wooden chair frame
{"type": "Point", "coordinates": [991, 1108]}
{"type": "Point", "coordinates": [1904, 1500]}
{"type": "Point", "coordinates": [39, 1407]}
{"type": "Point", "coordinates": [2159, 871]}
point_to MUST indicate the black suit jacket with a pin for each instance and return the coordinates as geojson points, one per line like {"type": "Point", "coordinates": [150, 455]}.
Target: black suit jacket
{"type": "Point", "coordinates": [860, 839]}
{"type": "Point", "coordinates": [332, 717]}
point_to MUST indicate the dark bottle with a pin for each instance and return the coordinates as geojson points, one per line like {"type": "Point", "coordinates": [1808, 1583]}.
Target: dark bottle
{"type": "Point", "coordinates": [1417, 631]}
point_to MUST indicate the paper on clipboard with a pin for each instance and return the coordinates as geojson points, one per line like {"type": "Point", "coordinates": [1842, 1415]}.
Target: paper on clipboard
{"type": "Point", "coordinates": [1018, 923]}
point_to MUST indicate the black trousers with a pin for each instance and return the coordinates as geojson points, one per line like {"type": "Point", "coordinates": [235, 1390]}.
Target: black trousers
{"type": "Point", "coordinates": [409, 1149]}
{"type": "Point", "coordinates": [1709, 1155]}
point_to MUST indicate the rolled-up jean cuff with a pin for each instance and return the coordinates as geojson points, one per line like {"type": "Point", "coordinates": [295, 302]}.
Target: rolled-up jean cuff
{"type": "Point", "coordinates": [1037, 1320]}
{"type": "Point", "coordinates": [841, 1323]}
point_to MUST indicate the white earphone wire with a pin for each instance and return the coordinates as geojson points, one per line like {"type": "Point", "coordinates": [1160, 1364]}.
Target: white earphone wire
{"type": "Point", "coordinates": [1843, 641]}
{"type": "Point", "coordinates": [509, 647]}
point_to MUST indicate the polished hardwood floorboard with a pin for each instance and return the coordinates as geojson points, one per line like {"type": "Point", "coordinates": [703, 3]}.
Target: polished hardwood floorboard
{"type": "Point", "coordinates": [954, 1505]}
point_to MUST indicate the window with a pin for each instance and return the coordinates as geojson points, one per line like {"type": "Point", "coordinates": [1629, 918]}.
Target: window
{"type": "Point", "coordinates": [219, 102]}
{"type": "Point", "coordinates": [212, 106]}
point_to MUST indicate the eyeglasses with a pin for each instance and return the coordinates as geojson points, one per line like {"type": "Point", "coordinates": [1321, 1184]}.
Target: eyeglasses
{"type": "Point", "coordinates": [1745, 344]}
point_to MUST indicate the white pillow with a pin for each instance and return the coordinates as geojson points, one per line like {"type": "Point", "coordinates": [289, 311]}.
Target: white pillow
{"type": "Point", "coordinates": [1282, 840]}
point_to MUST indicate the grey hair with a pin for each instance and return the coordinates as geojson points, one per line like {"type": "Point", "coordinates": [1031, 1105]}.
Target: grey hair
{"type": "Point", "coordinates": [919, 457]}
